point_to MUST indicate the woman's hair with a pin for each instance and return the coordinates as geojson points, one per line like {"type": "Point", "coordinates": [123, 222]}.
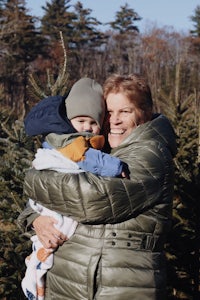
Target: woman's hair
{"type": "Point", "coordinates": [134, 87]}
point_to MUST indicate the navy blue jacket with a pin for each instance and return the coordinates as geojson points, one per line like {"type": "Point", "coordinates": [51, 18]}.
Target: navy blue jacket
{"type": "Point", "coordinates": [49, 115]}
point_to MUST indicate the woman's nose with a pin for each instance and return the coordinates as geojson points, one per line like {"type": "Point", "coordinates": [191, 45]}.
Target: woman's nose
{"type": "Point", "coordinates": [114, 118]}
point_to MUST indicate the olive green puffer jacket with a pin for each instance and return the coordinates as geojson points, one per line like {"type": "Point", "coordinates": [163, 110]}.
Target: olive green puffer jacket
{"type": "Point", "coordinates": [116, 252]}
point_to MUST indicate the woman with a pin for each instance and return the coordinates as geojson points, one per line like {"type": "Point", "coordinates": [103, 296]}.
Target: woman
{"type": "Point", "coordinates": [117, 250]}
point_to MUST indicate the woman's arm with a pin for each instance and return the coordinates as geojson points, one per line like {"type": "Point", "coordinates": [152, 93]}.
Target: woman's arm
{"type": "Point", "coordinates": [92, 199]}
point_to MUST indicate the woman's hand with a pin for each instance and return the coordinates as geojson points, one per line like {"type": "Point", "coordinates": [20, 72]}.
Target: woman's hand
{"type": "Point", "coordinates": [48, 235]}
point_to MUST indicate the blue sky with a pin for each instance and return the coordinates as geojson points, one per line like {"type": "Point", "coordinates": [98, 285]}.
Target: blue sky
{"type": "Point", "coordinates": [175, 13]}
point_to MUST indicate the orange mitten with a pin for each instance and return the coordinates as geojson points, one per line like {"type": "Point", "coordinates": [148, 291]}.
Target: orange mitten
{"type": "Point", "coordinates": [97, 142]}
{"type": "Point", "coordinates": [76, 150]}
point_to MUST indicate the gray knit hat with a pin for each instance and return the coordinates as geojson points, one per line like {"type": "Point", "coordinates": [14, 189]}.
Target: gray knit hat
{"type": "Point", "coordinates": [86, 99]}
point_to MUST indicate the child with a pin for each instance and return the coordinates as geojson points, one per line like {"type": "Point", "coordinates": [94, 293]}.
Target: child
{"type": "Point", "coordinates": [84, 101]}
{"type": "Point", "coordinates": [75, 147]}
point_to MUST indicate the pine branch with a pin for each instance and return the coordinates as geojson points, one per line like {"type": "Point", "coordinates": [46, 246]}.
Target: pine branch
{"type": "Point", "coordinates": [61, 83]}
{"type": "Point", "coordinates": [182, 171]}
{"type": "Point", "coordinates": [35, 89]}
{"type": "Point", "coordinates": [57, 87]}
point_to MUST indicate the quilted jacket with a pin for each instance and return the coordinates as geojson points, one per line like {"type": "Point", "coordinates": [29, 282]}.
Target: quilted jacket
{"type": "Point", "coordinates": [116, 252]}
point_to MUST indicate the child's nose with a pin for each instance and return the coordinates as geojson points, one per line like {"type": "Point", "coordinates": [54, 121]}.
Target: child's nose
{"type": "Point", "coordinates": [88, 128]}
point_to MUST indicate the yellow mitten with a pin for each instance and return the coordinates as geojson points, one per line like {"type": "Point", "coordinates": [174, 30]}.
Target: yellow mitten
{"type": "Point", "coordinates": [76, 150]}
{"type": "Point", "coordinates": [97, 142]}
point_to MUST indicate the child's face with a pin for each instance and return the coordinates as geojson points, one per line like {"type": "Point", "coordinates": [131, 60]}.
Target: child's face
{"type": "Point", "coordinates": [85, 124]}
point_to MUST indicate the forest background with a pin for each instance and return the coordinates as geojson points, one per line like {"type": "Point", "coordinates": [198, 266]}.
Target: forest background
{"type": "Point", "coordinates": [45, 56]}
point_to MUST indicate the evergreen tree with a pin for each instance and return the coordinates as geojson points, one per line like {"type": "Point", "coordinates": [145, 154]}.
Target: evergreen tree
{"type": "Point", "coordinates": [86, 33]}
{"type": "Point", "coordinates": [124, 39]}
{"type": "Point", "coordinates": [185, 233]}
{"type": "Point", "coordinates": [20, 45]}
{"type": "Point", "coordinates": [52, 87]}
{"type": "Point", "coordinates": [196, 31]}
{"type": "Point", "coordinates": [196, 20]}
{"type": "Point", "coordinates": [183, 242]}
{"type": "Point", "coordinates": [57, 17]}
{"type": "Point", "coordinates": [125, 20]}
{"type": "Point", "coordinates": [87, 41]}
{"type": "Point", "coordinates": [15, 158]}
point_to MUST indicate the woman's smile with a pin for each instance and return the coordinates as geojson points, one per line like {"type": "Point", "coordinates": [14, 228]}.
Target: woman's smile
{"type": "Point", "coordinates": [117, 131]}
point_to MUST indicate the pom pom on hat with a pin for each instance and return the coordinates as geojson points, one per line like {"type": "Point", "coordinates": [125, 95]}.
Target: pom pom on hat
{"type": "Point", "coordinates": [86, 99]}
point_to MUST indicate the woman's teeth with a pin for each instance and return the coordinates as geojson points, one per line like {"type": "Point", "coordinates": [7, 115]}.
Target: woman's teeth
{"type": "Point", "coordinates": [117, 131]}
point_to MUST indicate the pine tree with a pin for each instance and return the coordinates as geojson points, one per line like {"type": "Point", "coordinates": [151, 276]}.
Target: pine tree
{"type": "Point", "coordinates": [196, 20]}
{"type": "Point", "coordinates": [183, 243]}
{"type": "Point", "coordinates": [87, 41]}
{"type": "Point", "coordinates": [16, 155]}
{"type": "Point", "coordinates": [125, 20]}
{"type": "Point", "coordinates": [53, 86]}
{"type": "Point", "coordinates": [124, 39]}
{"type": "Point", "coordinates": [20, 44]}
{"type": "Point", "coordinates": [57, 18]}
{"type": "Point", "coordinates": [196, 31]}
{"type": "Point", "coordinates": [86, 34]}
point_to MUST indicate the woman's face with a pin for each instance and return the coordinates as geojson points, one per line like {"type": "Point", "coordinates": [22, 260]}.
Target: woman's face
{"type": "Point", "coordinates": [123, 118]}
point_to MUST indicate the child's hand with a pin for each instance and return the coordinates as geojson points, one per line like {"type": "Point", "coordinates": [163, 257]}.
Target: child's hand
{"type": "Point", "coordinates": [97, 142]}
{"type": "Point", "coordinates": [125, 171]}
{"type": "Point", "coordinates": [76, 150]}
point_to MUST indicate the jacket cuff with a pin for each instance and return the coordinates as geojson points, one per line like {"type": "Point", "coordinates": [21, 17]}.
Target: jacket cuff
{"type": "Point", "coordinates": [25, 220]}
